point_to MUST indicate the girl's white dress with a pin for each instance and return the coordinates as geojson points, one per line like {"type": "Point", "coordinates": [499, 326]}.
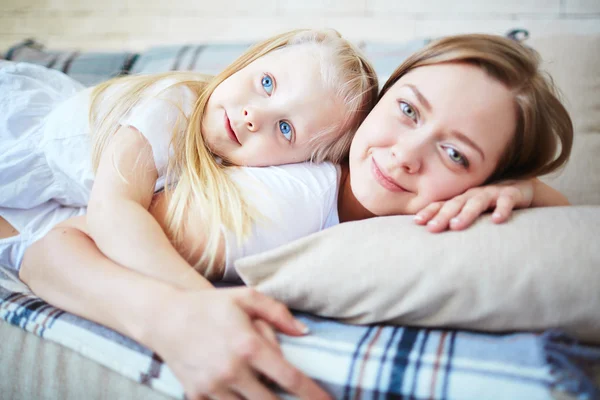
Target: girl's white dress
{"type": "Point", "coordinates": [46, 174]}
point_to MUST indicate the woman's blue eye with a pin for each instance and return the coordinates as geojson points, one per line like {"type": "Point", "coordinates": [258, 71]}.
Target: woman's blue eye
{"type": "Point", "coordinates": [286, 130]}
{"type": "Point", "coordinates": [408, 110]}
{"type": "Point", "coordinates": [456, 157]}
{"type": "Point", "coordinates": [267, 84]}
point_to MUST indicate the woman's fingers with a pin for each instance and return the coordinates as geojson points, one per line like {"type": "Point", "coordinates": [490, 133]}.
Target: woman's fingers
{"type": "Point", "coordinates": [219, 348]}
{"type": "Point", "coordinates": [259, 306]}
{"type": "Point", "coordinates": [472, 209]}
{"type": "Point", "coordinates": [426, 214]}
{"type": "Point", "coordinates": [267, 361]}
{"type": "Point", "coordinates": [250, 387]}
{"type": "Point", "coordinates": [268, 333]}
{"type": "Point", "coordinates": [460, 212]}
{"type": "Point", "coordinates": [449, 210]}
{"type": "Point", "coordinates": [504, 207]}
{"type": "Point", "coordinates": [225, 395]}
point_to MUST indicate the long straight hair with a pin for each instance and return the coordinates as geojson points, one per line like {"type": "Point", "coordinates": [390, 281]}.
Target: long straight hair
{"type": "Point", "coordinates": [197, 185]}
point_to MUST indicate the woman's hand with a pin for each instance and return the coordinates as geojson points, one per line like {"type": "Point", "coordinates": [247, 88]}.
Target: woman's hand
{"type": "Point", "coordinates": [461, 211]}
{"type": "Point", "coordinates": [210, 340]}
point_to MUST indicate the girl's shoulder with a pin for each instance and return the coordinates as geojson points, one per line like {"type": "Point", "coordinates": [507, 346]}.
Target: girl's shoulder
{"type": "Point", "coordinates": [293, 190]}
{"type": "Point", "coordinates": [311, 179]}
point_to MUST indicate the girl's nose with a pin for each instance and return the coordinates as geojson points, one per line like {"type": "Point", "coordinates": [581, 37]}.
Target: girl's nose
{"type": "Point", "coordinates": [253, 118]}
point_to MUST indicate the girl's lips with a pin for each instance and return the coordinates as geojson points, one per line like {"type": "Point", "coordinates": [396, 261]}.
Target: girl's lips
{"type": "Point", "coordinates": [384, 180]}
{"type": "Point", "coordinates": [229, 129]}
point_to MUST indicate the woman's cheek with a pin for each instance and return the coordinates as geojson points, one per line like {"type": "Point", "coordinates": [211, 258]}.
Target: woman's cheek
{"type": "Point", "coordinates": [441, 189]}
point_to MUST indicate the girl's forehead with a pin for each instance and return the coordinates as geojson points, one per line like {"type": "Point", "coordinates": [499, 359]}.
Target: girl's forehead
{"type": "Point", "coordinates": [292, 54]}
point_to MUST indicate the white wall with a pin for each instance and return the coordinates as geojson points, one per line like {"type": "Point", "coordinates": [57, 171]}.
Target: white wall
{"type": "Point", "coordinates": [137, 24]}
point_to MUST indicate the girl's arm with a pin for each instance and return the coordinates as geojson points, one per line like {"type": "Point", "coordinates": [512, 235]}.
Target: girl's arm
{"type": "Point", "coordinates": [207, 337]}
{"type": "Point", "coordinates": [118, 219]}
{"type": "Point", "coordinates": [461, 211]}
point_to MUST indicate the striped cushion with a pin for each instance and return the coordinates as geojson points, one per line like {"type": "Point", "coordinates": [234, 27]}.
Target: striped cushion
{"type": "Point", "coordinates": [89, 68]}
{"type": "Point", "coordinates": [208, 59]}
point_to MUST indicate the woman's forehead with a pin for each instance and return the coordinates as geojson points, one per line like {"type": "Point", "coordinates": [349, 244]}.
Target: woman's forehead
{"type": "Point", "coordinates": [451, 85]}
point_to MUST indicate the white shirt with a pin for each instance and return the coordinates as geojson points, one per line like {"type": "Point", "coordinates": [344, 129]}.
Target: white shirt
{"type": "Point", "coordinates": [294, 200]}
{"type": "Point", "coordinates": [160, 111]}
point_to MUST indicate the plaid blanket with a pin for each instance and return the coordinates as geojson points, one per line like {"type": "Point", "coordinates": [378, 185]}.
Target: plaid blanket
{"type": "Point", "coordinates": [351, 362]}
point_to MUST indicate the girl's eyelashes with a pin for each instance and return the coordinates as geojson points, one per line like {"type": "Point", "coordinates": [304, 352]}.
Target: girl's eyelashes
{"type": "Point", "coordinates": [286, 130]}
{"type": "Point", "coordinates": [268, 83]}
{"type": "Point", "coordinates": [409, 110]}
{"type": "Point", "coordinates": [456, 157]}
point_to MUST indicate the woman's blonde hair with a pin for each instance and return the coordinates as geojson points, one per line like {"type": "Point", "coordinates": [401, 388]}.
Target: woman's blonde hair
{"type": "Point", "coordinates": [544, 133]}
{"type": "Point", "coordinates": [202, 184]}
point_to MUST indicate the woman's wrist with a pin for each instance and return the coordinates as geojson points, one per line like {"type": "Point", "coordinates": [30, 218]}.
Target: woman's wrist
{"type": "Point", "coordinates": [147, 308]}
{"type": "Point", "coordinates": [157, 313]}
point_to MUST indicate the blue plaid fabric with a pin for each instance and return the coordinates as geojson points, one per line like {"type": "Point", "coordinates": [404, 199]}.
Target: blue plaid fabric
{"type": "Point", "coordinates": [351, 362]}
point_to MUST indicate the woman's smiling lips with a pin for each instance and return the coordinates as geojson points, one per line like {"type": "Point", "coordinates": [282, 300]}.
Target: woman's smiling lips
{"type": "Point", "coordinates": [229, 129]}
{"type": "Point", "coordinates": [384, 180]}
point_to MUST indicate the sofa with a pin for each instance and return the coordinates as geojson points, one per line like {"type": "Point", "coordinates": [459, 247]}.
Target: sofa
{"type": "Point", "coordinates": [494, 312]}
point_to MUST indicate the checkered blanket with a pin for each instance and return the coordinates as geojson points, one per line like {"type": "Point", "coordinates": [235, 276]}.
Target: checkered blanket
{"type": "Point", "coordinates": [351, 362]}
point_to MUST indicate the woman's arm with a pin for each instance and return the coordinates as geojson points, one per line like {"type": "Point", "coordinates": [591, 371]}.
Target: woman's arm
{"type": "Point", "coordinates": [206, 336]}
{"type": "Point", "coordinates": [118, 219]}
{"type": "Point", "coordinates": [546, 196]}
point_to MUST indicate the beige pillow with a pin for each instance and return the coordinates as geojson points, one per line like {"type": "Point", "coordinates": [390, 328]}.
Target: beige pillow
{"type": "Point", "coordinates": [574, 63]}
{"type": "Point", "coordinates": [541, 270]}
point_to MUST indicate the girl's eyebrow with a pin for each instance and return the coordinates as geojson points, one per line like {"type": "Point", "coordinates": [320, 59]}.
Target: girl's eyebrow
{"type": "Point", "coordinates": [419, 96]}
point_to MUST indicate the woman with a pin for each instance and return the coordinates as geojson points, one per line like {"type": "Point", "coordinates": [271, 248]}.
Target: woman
{"type": "Point", "coordinates": [463, 112]}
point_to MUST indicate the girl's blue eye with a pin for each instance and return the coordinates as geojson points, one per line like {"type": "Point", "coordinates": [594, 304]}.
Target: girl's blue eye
{"type": "Point", "coordinates": [408, 110]}
{"type": "Point", "coordinates": [267, 84]}
{"type": "Point", "coordinates": [286, 130]}
{"type": "Point", "coordinates": [456, 157]}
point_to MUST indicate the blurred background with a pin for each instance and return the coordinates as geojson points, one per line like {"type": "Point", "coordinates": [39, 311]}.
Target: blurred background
{"type": "Point", "coordinates": [139, 24]}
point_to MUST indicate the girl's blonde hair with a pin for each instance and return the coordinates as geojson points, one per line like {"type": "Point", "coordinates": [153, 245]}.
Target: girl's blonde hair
{"type": "Point", "coordinates": [544, 133]}
{"type": "Point", "coordinates": [202, 184]}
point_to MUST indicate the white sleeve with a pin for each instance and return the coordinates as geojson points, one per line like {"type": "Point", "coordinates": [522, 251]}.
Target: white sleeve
{"type": "Point", "coordinates": [162, 110]}
{"type": "Point", "coordinates": [292, 201]}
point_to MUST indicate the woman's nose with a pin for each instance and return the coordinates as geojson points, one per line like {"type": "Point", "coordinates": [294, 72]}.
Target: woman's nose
{"type": "Point", "coordinates": [253, 118]}
{"type": "Point", "coordinates": [406, 155]}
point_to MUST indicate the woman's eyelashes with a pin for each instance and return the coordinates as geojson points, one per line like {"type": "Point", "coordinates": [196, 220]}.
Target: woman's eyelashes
{"type": "Point", "coordinates": [456, 157]}
{"type": "Point", "coordinates": [268, 83]}
{"type": "Point", "coordinates": [409, 111]}
{"type": "Point", "coordinates": [452, 154]}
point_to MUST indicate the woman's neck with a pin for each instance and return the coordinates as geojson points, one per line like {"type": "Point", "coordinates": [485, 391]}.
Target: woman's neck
{"type": "Point", "coordinates": [349, 208]}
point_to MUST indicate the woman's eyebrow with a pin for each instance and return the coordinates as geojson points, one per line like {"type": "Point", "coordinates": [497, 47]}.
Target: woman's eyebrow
{"type": "Point", "coordinates": [464, 138]}
{"type": "Point", "coordinates": [419, 96]}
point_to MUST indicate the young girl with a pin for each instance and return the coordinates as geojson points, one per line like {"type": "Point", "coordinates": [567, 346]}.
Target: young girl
{"type": "Point", "coordinates": [462, 112]}
{"type": "Point", "coordinates": [105, 151]}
